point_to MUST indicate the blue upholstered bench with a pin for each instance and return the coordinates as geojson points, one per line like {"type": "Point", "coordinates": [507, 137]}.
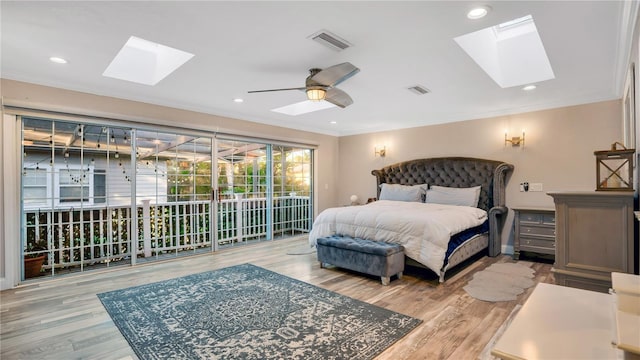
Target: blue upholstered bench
{"type": "Point", "coordinates": [365, 256]}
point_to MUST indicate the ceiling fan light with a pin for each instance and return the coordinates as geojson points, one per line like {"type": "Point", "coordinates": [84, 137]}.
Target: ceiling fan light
{"type": "Point", "coordinates": [316, 94]}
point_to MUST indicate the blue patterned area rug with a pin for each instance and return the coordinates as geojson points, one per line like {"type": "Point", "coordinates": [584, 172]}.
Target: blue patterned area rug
{"type": "Point", "coordinates": [247, 312]}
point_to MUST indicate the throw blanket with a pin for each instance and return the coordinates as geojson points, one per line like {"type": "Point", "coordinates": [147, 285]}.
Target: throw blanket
{"type": "Point", "coordinates": [423, 229]}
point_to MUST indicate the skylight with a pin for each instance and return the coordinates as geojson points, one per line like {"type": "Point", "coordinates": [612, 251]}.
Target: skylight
{"type": "Point", "coordinates": [511, 53]}
{"type": "Point", "coordinates": [145, 62]}
{"type": "Point", "coordinates": [303, 107]}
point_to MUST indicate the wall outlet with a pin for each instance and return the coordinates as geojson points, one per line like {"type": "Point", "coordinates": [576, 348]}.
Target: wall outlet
{"type": "Point", "coordinates": [535, 187]}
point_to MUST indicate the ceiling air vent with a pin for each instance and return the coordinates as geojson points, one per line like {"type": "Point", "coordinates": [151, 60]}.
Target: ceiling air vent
{"type": "Point", "coordinates": [419, 90]}
{"type": "Point", "coordinates": [332, 41]}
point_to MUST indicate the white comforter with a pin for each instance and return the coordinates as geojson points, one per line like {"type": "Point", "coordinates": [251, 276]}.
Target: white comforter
{"type": "Point", "coordinates": [423, 229]}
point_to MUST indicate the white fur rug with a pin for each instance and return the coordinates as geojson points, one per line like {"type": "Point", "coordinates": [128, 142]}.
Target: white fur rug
{"type": "Point", "coordinates": [501, 282]}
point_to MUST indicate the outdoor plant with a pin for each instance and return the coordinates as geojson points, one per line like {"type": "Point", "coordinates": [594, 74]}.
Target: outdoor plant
{"type": "Point", "coordinates": [35, 248]}
{"type": "Point", "coordinates": [34, 257]}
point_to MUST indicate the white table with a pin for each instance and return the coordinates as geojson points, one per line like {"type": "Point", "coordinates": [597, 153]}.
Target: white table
{"type": "Point", "coordinates": [559, 322]}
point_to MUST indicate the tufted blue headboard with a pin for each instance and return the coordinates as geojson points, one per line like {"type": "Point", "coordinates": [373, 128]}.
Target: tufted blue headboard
{"type": "Point", "coordinates": [491, 175]}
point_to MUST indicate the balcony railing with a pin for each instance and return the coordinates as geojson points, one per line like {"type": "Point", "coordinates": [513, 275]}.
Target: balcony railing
{"type": "Point", "coordinates": [76, 238]}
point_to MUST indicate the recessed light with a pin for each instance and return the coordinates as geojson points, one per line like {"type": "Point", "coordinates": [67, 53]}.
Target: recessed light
{"type": "Point", "coordinates": [478, 12]}
{"type": "Point", "coordinates": [529, 88]}
{"type": "Point", "coordinates": [333, 122]}
{"type": "Point", "coordinates": [57, 60]}
{"type": "Point", "coordinates": [238, 100]}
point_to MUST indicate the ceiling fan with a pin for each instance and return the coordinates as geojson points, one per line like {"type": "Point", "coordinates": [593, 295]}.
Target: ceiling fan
{"type": "Point", "coordinates": [320, 84]}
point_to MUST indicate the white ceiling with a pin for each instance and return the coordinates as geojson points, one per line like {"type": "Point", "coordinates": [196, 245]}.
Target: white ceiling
{"type": "Point", "coordinates": [241, 46]}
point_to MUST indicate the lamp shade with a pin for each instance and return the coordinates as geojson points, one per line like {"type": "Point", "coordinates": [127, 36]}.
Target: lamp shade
{"type": "Point", "coordinates": [316, 94]}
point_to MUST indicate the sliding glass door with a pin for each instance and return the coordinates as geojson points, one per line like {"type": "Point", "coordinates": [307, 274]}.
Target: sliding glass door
{"type": "Point", "coordinates": [98, 196]}
{"type": "Point", "coordinates": [265, 191]}
{"type": "Point", "coordinates": [76, 191]}
{"type": "Point", "coordinates": [174, 194]}
{"type": "Point", "coordinates": [292, 190]}
{"type": "Point", "coordinates": [244, 192]}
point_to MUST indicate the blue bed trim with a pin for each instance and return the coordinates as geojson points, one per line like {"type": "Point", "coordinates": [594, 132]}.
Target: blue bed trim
{"type": "Point", "coordinates": [459, 238]}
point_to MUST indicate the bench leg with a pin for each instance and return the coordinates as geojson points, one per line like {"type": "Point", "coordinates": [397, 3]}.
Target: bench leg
{"type": "Point", "coordinates": [385, 280]}
{"type": "Point", "coordinates": [400, 275]}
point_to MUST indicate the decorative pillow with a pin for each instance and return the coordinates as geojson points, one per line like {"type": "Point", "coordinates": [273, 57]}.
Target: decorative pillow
{"type": "Point", "coordinates": [398, 192]}
{"type": "Point", "coordinates": [453, 196]}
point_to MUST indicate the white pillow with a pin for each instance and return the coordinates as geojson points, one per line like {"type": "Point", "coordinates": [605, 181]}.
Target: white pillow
{"type": "Point", "coordinates": [453, 196]}
{"type": "Point", "coordinates": [399, 192]}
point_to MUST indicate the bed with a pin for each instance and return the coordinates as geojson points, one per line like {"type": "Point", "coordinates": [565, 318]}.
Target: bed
{"type": "Point", "coordinates": [437, 243]}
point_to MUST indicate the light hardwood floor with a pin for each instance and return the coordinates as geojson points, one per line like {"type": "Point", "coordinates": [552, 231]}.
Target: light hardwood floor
{"type": "Point", "coordinates": [63, 318]}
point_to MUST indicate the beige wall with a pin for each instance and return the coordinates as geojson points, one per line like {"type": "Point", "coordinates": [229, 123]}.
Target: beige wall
{"type": "Point", "coordinates": [558, 150]}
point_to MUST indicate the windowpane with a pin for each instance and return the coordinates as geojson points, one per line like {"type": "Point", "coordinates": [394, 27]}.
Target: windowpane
{"type": "Point", "coordinates": [33, 177]}
{"type": "Point", "coordinates": [99, 186]}
{"type": "Point", "coordinates": [34, 183]}
{"type": "Point", "coordinates": [70, 177]}
{"type": "Point", "coordinates": [74, 193]}
{"type": "Point", "coordinates": [34, 194]}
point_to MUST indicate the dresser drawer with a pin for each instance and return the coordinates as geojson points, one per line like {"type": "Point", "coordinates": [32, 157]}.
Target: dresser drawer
{"type": "Point", "coordinates": [538, 246]}
{"type": "Point", "coordinates": [538, 230]}
{"type": "Point", "coordinates": [549, 219]}
{"type": "Point", "coordinates": [539, 243]}
{"type": "Point", "coordinates": [537, 218]}
{"type": "Point", "coordinates": [530, 218]}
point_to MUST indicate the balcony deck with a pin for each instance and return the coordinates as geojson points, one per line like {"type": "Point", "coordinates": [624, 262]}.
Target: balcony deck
{"type": "Point", "coordinates": [77, 240]}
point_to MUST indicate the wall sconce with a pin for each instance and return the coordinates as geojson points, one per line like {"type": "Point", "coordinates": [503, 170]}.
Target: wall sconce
{"type": "Point", "coordinates": [380, 151]}
{"type": "Point", "coordinates": [515, 140]}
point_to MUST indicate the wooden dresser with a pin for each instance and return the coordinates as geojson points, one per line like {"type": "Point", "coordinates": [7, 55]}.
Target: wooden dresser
{"type": "Point", "coordinates": [594, 237]}
{"type": "Point", "coordinates": [535, 231]}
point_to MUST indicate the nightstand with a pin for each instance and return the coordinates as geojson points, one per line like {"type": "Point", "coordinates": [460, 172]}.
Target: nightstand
{"type": "Point", "coordinates": [535, 231]}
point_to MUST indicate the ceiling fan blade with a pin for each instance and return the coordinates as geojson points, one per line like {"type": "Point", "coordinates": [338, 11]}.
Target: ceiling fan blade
{"type": "Point", "coordinates": [335, 74]}
{"type": "Point", "coordinates": [259, 91]}
{"type": "Point", "coordinates": [338, 98]}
